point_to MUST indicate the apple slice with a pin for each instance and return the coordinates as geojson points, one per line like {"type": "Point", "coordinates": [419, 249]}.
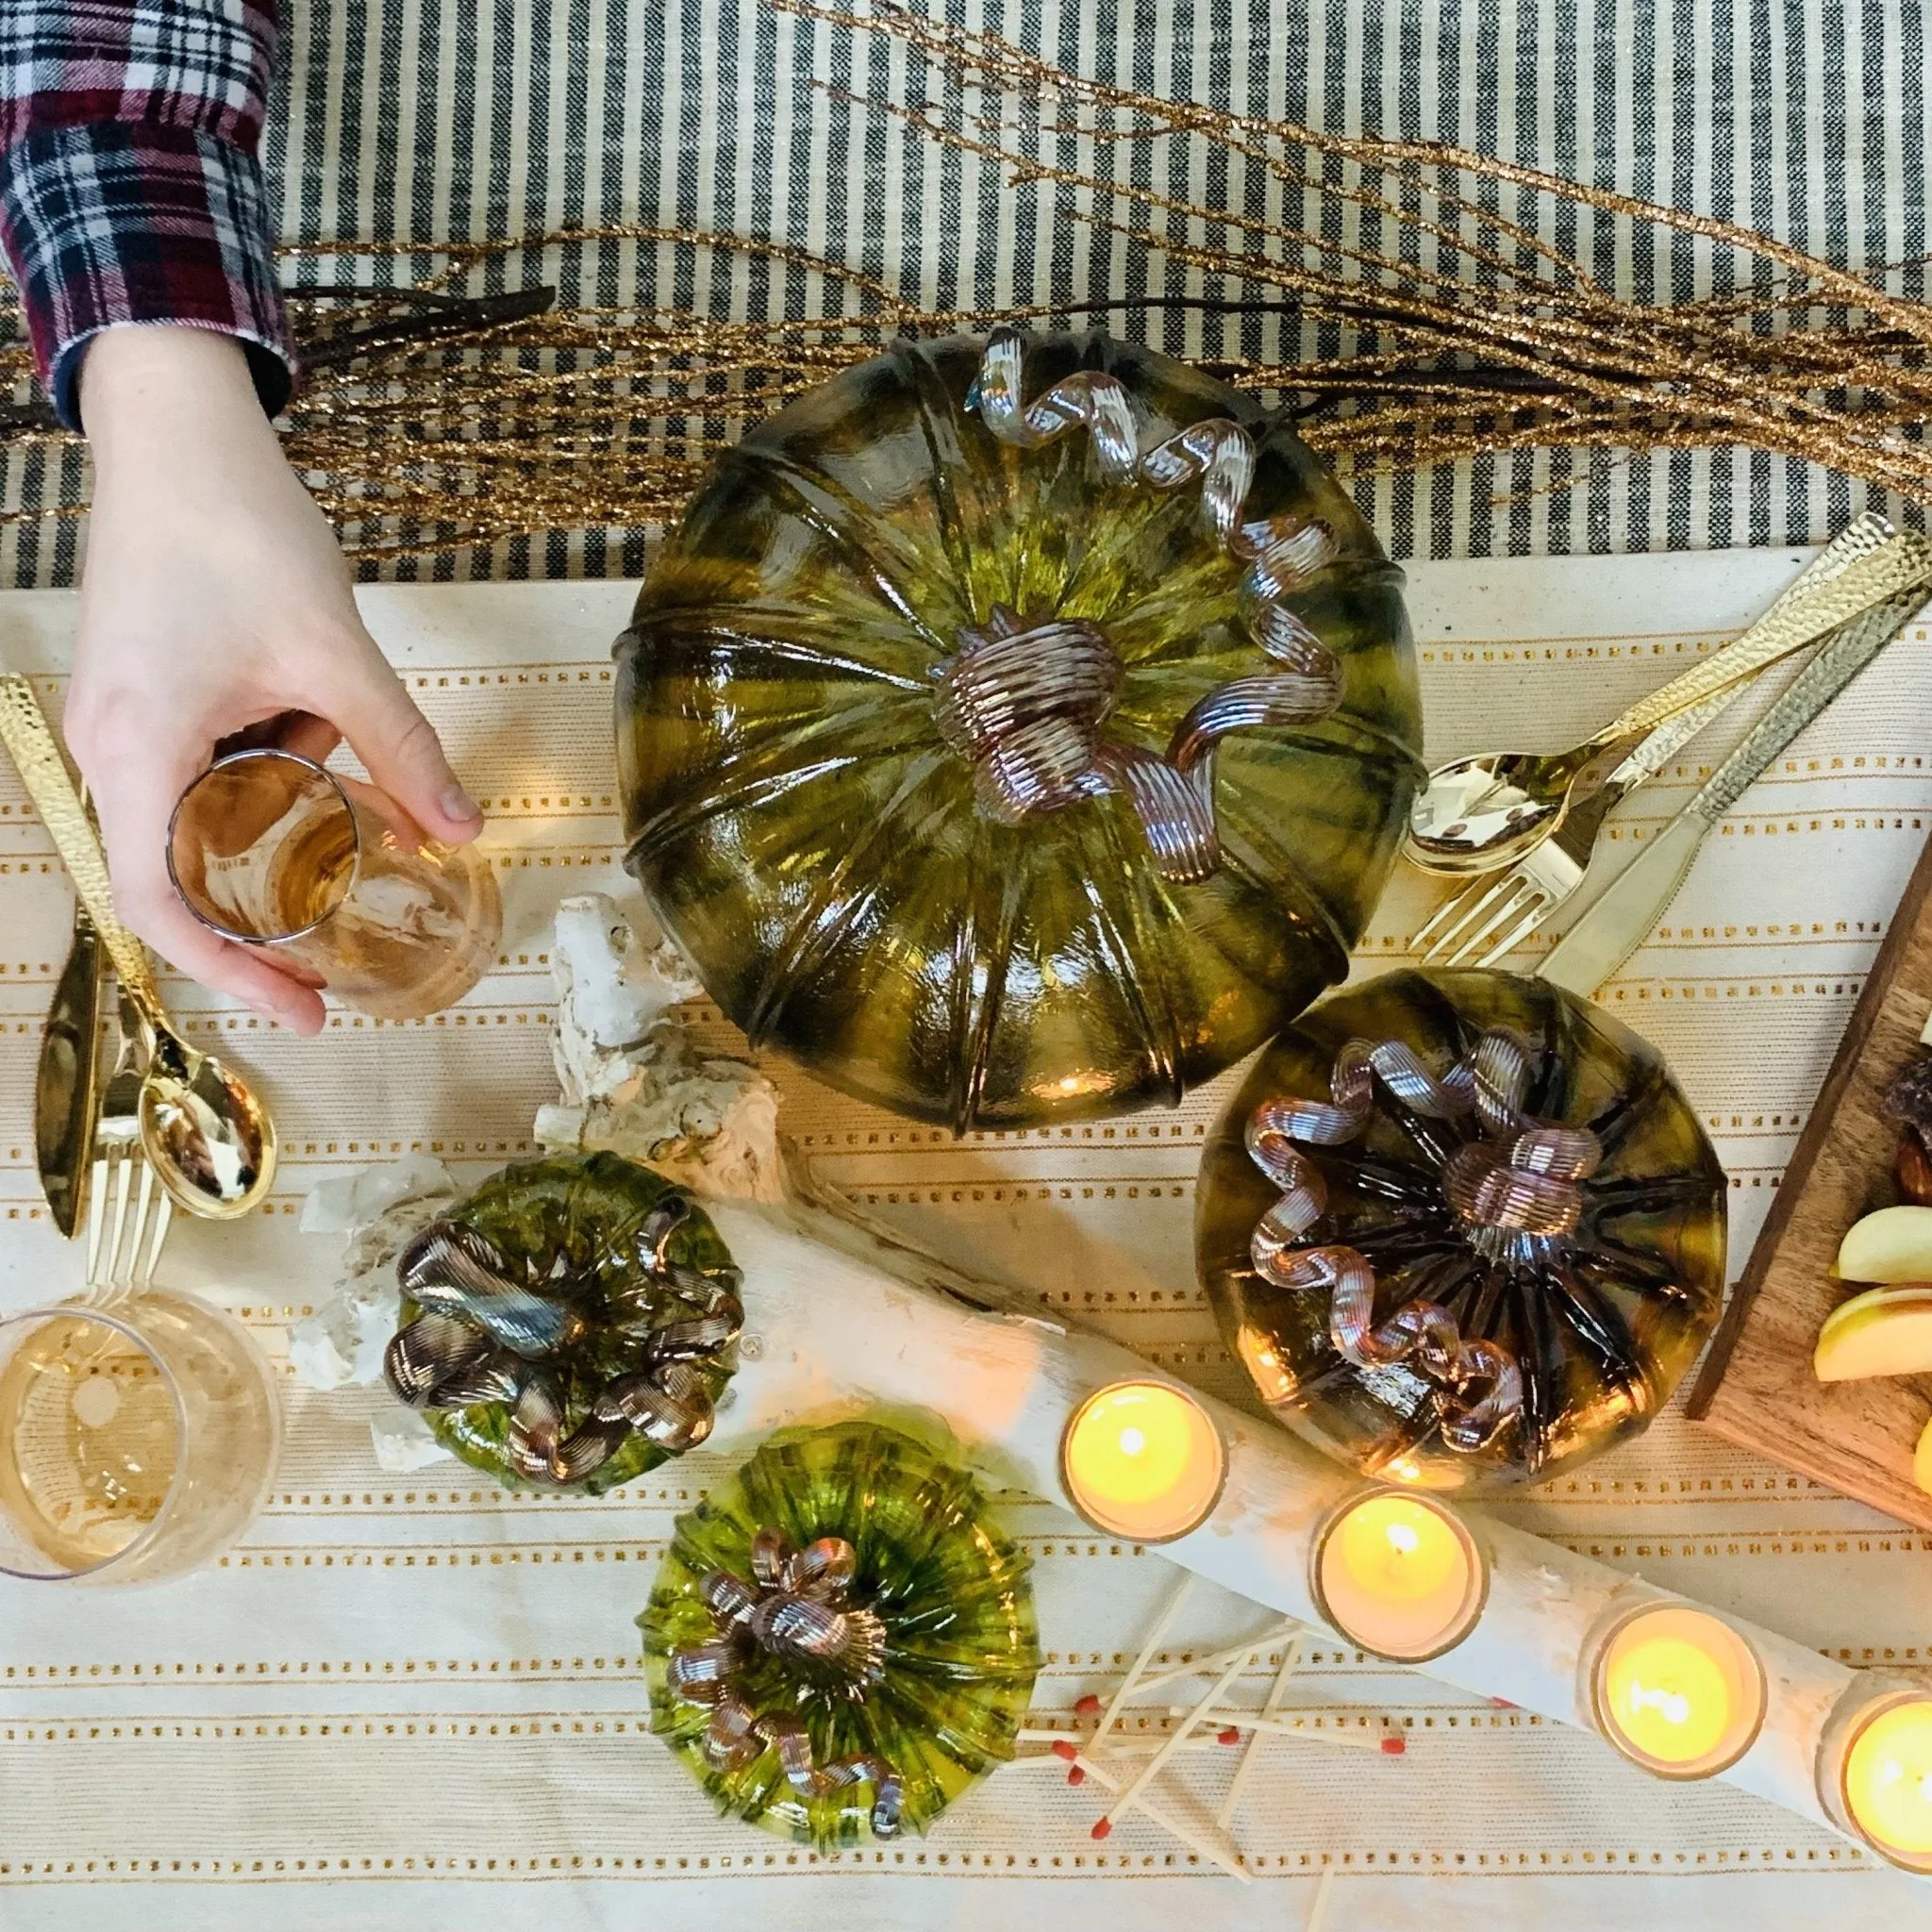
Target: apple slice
{"type": "Point", "coordinates": [1885, 1331]}
{"type": "Point", "coordinates": [1894, 1244]}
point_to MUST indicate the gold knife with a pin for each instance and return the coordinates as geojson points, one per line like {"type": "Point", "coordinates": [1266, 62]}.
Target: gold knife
{"type": "Point", "coordinates": [1625, 912]}
{"type": "Point", "coordinates": [67, 1088]}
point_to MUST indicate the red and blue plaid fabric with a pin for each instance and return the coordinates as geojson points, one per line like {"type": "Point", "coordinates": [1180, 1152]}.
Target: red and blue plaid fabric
{"type": "Point", "coordinates": [130, 185]}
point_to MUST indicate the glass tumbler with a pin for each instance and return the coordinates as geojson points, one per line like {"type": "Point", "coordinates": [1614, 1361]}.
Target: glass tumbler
{"type": "Point", "coordinates": [137, 1442]}
{"type": "Point", "coordinates": [337, 880]}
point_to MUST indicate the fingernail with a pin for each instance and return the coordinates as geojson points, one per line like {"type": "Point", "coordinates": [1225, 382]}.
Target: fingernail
{"type": "Point", "coordinates": [458, 804]}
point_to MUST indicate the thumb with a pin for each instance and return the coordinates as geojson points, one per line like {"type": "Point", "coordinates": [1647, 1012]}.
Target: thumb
{"type": "Point", "coordinates": [397, 744]}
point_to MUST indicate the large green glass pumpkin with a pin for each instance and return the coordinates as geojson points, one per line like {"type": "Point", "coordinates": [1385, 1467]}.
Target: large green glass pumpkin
{"type": "Point", "coordinates": [835, 1755]}
{"type": "Point", "coordinates": [810, 832]}
{"type": "Point", "coordinates": [1593, 1327]}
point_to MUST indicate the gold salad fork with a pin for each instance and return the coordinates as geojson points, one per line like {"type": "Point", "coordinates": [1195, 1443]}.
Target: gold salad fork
{"type": "Point", "coordinates": [123, 1252]}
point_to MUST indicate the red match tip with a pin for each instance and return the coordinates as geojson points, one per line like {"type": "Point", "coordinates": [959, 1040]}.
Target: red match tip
{"type": "Point", "coordinates": [1087, 1704]}
{"type": "Point", "coordinates": [1230, 1736]}
{"type": "Point", "coordinates": [1077, 1777]}
{"type": "Point", "coordinates": [1103, 1829]}
{"type": "Point", "coordinates": [1395, 1748]}
{"type": "Point", "coordinates": [1062, 1748]}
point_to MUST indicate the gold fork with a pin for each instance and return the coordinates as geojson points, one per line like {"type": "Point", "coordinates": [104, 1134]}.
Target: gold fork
{"type": "Point", "coordinates": [122, 1254]}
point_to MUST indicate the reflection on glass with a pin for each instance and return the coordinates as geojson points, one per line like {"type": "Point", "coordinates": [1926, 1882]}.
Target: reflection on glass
{"type": "Point", "coordinates": [274, 851]}
{"type": "Point", "coordinates": [134, 1444]}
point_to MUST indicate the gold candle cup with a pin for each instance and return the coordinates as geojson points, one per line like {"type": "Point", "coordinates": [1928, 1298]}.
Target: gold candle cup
{"type": "Point", "coordinates": [1398, 1573]}
{"type": "Point", "coordinates": [1874, 1766]}
{"type": "Point", "coordinates": [1673, 1689]}
{"type": "Point", "coordinates": [1143, 1459]}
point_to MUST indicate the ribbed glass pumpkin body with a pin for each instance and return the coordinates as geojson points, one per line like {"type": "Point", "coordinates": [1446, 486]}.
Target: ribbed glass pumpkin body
{"type": "Point", "coordinates": [816, 847]}
{"type": "Point", "coordinates": [571, 1228]}
{"type": "Point", "coordinates": [950, 1587]}
{"type": "Point", "coordinates": [1600, 1328]}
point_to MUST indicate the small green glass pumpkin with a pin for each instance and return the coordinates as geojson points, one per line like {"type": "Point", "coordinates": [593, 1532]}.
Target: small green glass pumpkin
{"type": "Point", "coordinates": [900, 872]}
{"type": "Point", "coordinates": [1490, 1347]}
{"type": "Point", "coordinates": [570, 1326]}
{"type": "Point", "coordinates": [902, 1543]}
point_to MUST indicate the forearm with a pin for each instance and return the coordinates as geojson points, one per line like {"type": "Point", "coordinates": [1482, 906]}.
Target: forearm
{"type": "Point", "coordinates": [130, 188]}
{"type": "Point", "coordinates": [172, 402]}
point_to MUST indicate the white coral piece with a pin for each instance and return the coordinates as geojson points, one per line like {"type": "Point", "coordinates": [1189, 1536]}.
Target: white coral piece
{"type": "Point", "coordinates": [404, 1442]}
{"type": "Point", "coordinates": [636, 1080]}
{"type": "Point", "coordinates": [381, 1209]}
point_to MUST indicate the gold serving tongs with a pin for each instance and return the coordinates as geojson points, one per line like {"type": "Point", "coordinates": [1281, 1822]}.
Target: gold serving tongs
{"type": "Point", "coordinates": [1482, 813]}
{"type": "Point", "coordinates": [207, 1137]}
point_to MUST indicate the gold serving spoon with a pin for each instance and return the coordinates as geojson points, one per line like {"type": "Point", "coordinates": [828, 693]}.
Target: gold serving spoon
{"type": "Point", "coordinates": [205, 1132]}
{"type": "Point", "coordinates": [1482, 813]}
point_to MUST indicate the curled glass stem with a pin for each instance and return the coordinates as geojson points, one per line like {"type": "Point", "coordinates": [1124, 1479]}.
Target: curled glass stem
{"type": "Point", "coordinates": [1512, 1184]}
{"type": "Point", "coordinates": [1027, 701]}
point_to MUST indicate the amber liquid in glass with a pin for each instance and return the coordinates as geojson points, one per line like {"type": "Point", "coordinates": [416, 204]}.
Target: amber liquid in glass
{"type": "Point", "coordinates": [88, 1437]}
{"type": "Point", "coordinates": [402, 935]}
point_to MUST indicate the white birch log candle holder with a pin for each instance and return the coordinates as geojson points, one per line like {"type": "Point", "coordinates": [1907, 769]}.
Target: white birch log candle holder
{"type": "Point", "coordinates": [829, 1332]}
{"type": "Point", "coordinates": [842, 1316]}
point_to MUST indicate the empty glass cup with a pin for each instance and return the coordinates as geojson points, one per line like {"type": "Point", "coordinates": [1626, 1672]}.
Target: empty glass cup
{"type": "Point", "coordinates": [337, 880]}
{"type": "Point", "coordinates": [136, 1444]}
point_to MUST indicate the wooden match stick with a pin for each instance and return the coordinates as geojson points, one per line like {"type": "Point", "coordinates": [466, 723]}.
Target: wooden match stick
{"type": "Point", "coordinates": [1284, 1724]}
{"type": "Point", "coordinates": [1113, 1747]}
{"type": "Point", "coordinates": [1211, 1844]}
{"type": "Point", "coordinates": [1319, 1910]}
{"type": "Point", "coordinates": [1125, 1800]}
{"type": "Point", "coordinates": [1201, 1666]}
{"type": "Point", "coordinates": [1117, 1748]}
{"type": "Point", "coordinates": [1161, 1625]}
{"type": "Point", "coordinates": [1251, 1751]}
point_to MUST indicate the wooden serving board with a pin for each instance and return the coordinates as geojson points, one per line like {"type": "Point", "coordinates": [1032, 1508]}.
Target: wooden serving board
{"type": "Point", "coordinates": [1757, 1388]}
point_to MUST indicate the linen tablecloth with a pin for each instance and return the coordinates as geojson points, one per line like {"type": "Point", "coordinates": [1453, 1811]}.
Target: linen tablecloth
{"type": "Point", "coordinates": [403, 1695]}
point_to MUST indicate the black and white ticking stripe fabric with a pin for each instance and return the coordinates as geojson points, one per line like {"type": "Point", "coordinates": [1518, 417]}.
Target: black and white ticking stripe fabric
{"type": "Point", "coordinates": [470, 118]}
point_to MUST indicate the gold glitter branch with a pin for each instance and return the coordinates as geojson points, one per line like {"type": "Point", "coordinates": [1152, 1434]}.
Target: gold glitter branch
{"type": "Point", "coordinates": [1462, 328]}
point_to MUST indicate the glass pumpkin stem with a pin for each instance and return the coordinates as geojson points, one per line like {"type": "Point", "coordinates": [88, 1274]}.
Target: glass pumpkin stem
{"type": "Point", "coordinates": [1026, 700]}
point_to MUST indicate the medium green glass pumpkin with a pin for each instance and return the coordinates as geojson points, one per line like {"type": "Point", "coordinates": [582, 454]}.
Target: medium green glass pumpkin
{"type": "Point", "coordinates": [570, 1325]}
{"type": "Point", "coordinates": [1491, 1347]}
{"type": "Point", "coordinates": [838, 698]}
{"type": "Point", "coordinates": [838, 1756]}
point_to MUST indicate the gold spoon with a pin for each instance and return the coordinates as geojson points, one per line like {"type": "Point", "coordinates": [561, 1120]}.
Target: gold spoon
{"type": "Point", "coordinates": [1482, 813]}
{"type": "Point", "coordinates": [205, 1134]}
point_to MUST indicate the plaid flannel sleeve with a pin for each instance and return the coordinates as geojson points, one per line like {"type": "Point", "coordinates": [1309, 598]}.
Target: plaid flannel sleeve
{"type": "Point", "coordinates": [130, 190]}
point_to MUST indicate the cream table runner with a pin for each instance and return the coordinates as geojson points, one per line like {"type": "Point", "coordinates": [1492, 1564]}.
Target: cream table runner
{"type": "Point", "coordinates": [404, 1696]}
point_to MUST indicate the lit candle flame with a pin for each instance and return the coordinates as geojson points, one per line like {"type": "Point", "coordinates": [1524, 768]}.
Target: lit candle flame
{"type": "Point", "coordinates": [1672, 1706]}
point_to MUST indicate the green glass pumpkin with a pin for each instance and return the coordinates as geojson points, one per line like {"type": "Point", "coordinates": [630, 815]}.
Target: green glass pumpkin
{"type": "Point", "coordinates": [807, 828]}
{"type": "Point", "coordinates": [961, 1649]}
{"type": "Point", "coordinates": [569, 1325]}
{"type": "Point", "coordinates": [1596, 1324]}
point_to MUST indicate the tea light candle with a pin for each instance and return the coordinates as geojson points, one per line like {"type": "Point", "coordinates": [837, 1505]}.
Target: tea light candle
{"type": "Point", "coordinates": [1398, 1573]}
{"type": "Point", "coordinates": [1677, 1691]}
{"type": "Point", "coordinates": [1143, 1459]}
{"type": "Point", "coordinates": [1885, 1778]}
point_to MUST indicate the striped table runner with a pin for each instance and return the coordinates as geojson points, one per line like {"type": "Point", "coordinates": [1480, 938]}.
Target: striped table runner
{"type": "Point", "coordinates": [454, 119]}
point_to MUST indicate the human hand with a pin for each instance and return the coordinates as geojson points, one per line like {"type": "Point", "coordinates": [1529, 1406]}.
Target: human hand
{"type": "Point", "coordinates": [215, 605]}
